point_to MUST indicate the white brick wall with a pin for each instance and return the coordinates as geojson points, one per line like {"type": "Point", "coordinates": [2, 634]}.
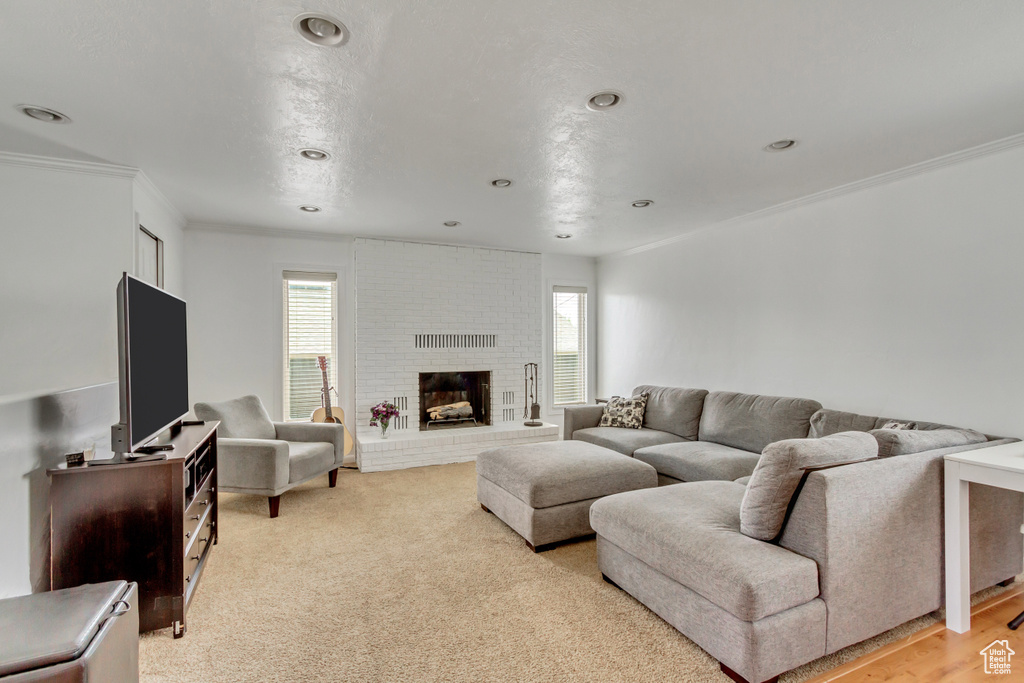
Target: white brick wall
{"type": "Point", "coordinates": [404, 289]}
{"type": "Point", "coordinates": [439, 447]}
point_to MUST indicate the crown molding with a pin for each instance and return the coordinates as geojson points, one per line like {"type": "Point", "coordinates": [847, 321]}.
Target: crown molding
{"type": "Point", "coordinates": [67, 165]}
{"type": "Point", "coordinates": [137, 176]}
{"type": "Point", "coordinates": [146, 185]}
{"type": "Point", "coordinates": [266, 232]}
{"type": "Point", "coordinates": [856, 186]}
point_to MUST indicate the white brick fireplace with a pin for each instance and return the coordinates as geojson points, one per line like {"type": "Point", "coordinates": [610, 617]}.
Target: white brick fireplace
{"type": "Point", "coordinates": [424, 308]}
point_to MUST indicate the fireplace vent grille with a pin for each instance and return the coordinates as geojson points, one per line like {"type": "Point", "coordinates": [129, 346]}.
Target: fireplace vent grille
{"type": "Point", "coordinates": [455, 341]}
{"type": "Point", "coordinates": [402, 421]}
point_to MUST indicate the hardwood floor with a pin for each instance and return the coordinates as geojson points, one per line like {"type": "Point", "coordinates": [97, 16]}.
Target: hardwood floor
{"type": "Point", "coordinates": [936, 654]}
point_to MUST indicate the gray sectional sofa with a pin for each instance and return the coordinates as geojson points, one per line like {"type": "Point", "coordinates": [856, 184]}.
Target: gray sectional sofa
{"type": "Point", "coordinates": [860, 552]}
{"type": "Point", "coordinates": [695, 435]}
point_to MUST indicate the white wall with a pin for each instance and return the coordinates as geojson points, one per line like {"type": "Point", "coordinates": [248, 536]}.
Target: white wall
{"type": "Point", "coordinates": [35, 434]}
{"type": "Point", "coordinates": [899, 300]}
{"type": "Point", "coordinates": [67, 236]}
{"type": "Point", "coordinates": [153, 212]}
{"type": "Point", "coordinates": [67, 232]}
{"type": "Point", "coordinates": [233, 285]}
{"type": "Point", "coordinates": [577, 271]}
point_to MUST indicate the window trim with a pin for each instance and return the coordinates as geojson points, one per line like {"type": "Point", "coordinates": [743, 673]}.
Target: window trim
{"type": "Point", "coordinates": [552, 287]}
{"type": "Point", "coordinates": [313, 274]}
{"type": "Point", "coordinates": [141, 234]}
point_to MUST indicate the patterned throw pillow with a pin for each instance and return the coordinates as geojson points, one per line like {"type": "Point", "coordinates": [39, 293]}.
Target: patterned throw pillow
{"type": "Point", "coordinates": [624, 412]}
{"type": "Point", "coordinates": [893, 424]}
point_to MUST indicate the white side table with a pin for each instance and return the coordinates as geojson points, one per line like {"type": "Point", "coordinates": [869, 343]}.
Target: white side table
{"type": "Point", "coordinates": [999, 466]}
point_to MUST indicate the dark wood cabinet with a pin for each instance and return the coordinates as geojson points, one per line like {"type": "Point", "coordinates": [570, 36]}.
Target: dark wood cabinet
{"type": "Point", "coordinates": [153, 523]}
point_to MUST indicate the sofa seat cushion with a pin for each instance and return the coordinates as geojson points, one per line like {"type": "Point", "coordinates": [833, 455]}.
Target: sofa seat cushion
{"type": "Point", "coordinates": [551, 473]}
{"type": "Point", "coordinates": [308, 458]}
{"type": "Point", "coordinates": [624, 440]}
{"type": "Point", "coordinates": [699, 460]}
{"type": "Point", "coordinates": [673, 409]}
{"type": "Point", "coordinates": [752, 421]}
{"type": "Point", "coordinates": [691, 534]}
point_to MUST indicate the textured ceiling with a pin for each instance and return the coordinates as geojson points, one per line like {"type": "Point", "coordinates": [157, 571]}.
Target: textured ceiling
{"type": "Point", "coordinates": [429, 101]}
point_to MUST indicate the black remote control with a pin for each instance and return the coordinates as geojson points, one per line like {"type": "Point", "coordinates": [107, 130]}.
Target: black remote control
{"type": "Point", "coordinates": [155, 449]}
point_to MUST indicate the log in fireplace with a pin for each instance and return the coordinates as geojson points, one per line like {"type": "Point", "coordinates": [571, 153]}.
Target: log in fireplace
{"type": "Point", "coordinates": [455, 399]}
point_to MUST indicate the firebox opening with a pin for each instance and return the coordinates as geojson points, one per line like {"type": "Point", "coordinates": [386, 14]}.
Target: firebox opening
{"type": "Point", "coordinates": [455, 399]}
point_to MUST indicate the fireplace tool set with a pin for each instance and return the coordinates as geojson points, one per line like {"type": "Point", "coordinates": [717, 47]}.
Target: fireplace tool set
{"type": "Point", "coordinates": [532, 409]}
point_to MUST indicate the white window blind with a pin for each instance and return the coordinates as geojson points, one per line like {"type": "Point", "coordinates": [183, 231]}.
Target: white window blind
{"type": "Point", "coordinates": [310, 305]}
{"type": "Point", "coordinates": [569, 371]}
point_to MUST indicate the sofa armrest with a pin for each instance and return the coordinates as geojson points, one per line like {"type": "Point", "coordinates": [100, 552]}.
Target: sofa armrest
{"type": "Point", "coordinates": [260, 465]}
{"type": "Point", "coordinates": [580, 417]}
{"type": "Point", "coordinates": [321, 432]}
{"type": "Point", "coordinates": [875, 528]}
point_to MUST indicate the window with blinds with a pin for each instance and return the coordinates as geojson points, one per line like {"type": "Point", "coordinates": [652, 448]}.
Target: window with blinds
{"type": "Point", "coordinates": [569, 371]}
{"type": "Point", "coordinates": [310, 306]}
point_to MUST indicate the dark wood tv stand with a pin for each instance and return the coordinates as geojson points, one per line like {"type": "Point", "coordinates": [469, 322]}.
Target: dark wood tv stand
{"type": "Point", "coordinates": [150, 522]}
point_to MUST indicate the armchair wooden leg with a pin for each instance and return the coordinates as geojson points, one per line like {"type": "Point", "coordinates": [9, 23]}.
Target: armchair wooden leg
{"type": "Point", "coordinates": [275, 505]}
{"type": "Point", "coordinates": [332, 478]}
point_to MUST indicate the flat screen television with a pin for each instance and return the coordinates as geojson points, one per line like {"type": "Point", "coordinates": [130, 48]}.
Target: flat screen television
{"type": "Point", "coordinates": [153, 363]}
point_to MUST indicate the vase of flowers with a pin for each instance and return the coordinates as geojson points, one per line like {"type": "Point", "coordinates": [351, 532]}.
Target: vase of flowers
{"type": "Point", "coordinates": [381, 414]}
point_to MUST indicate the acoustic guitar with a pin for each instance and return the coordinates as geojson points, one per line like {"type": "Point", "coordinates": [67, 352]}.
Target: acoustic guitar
{"type": "Point", "coordinates": [327, 414]}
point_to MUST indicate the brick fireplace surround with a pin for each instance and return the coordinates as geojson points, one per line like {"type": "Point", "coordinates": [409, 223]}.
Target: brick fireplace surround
{"type": "Point", "coordinates": [425, 308]}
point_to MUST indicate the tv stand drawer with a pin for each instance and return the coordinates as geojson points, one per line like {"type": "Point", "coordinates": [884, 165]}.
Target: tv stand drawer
{"type": "Point", "coordinates": [201, 505]}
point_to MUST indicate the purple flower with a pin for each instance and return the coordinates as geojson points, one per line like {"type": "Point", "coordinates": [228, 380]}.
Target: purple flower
{"type": "Point", "coordinates": [382, 413]}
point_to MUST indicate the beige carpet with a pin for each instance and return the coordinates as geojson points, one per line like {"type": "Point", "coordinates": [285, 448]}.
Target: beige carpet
{"type": "Point", "coordinates": [400, 576]}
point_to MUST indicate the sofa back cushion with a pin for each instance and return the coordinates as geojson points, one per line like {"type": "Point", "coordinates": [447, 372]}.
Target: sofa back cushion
{"type": "Point", "coordinates": [751, 421]}
{"type": "Point", "coordinates": [240, 418]}
{"type": "Point", "coordinates": [778, 473]}
{"type": "Point", "coordinates": [827, 421]}
{"type": "Point", "coordinates": [905, 441]}
{"type": "Point", "coordinates": [673, 409]}
{"type": "Point", "coordinates": [924, 436]}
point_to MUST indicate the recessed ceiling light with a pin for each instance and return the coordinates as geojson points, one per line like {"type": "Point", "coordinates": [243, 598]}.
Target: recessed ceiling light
{"type": "Point", "coordinates": [451, 224]}
{"type": "Point", "coordinates": [43, 114]}
{"type": "Point", "coordinates": [501, 182]}
{"type": "Point", "coordinates": [309, 208]}
{"type": "Point", "coordinates": [563, 236]}
{"type": "Point", "coordinates": [780, 145]}
{"type": "Point", "coordinates": [314, 154]}
{"type": "Point", "coordinates": [642, 203]}
{"type": "Point", "coordinates": [321, 29]}
{"type": "Point", "coordinates": [604, 100]}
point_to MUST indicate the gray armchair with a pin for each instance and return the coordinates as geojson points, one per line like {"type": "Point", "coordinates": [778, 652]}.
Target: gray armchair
{"type": "Point", "coordinates": [264, 458]}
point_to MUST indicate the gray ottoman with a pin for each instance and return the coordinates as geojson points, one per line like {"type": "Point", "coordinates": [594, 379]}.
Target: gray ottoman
{"type": "Point", "coordinates": [544, 490]}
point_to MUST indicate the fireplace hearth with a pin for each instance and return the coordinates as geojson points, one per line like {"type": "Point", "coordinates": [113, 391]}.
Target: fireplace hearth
{"type": "Point", "coordinates": [454, 399]}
